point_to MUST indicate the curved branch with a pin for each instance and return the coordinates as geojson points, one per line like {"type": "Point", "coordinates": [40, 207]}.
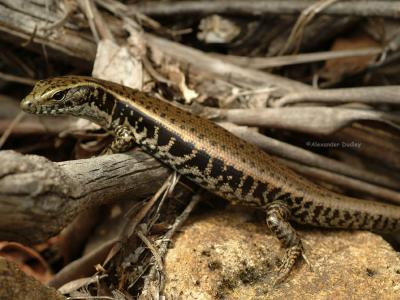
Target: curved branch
{"type": "Point", "coordinates": [38, 197]}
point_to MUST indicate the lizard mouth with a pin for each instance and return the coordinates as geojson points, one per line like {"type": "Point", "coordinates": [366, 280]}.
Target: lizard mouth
{"type": "Point", "coordinates": [28, 106]}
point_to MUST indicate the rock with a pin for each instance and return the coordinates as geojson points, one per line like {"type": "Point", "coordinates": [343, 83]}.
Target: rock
{"type": "Point", "coordinates": [16, 285]}
{"type": "Point", "coordinates": [226, 255]}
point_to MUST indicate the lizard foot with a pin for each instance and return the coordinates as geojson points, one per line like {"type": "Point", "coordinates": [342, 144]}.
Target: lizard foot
{"type": "Point", "coordinates": [291, 256]}
{"type": "Point", "coordinates": [278, 214]}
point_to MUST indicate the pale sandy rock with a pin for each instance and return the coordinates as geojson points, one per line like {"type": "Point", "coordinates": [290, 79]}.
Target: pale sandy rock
{"type": "Point", "coordinates": [226, 255]}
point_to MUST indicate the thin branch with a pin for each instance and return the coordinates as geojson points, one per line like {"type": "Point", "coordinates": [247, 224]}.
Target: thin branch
{"type": "Point", "coordinates": [286, 60]}
{"type": "Point", "coordinates": [82, 266]}
{"type": "Point", "coordinates": [97, 25]}
{"type": "Point", "coordinates": [149, 285]}
{"type": "Point", "coordinates": [203, 62]}
{"type": "Point", "coordinates": [70, 6]}
{"type": "Point", "coordinates": [375, 191]}
{"type": "Point", "coordinates": [10, 128]}
{"type": "Point", "coordinates": [18, 79]}
{"type": "Point", "coordinates": [282, 149]}
{"type": "Point", "coordinates": [19, 25]}
{"type": "Point", "coordinates": [153, 250]}
{"type": "Point", "coordinates": [253, 7]}
{"type": "Point", "coordinates": [314, 120]}
{"type": "Point", "coordinates": [369, 95]}
{"type": "Point", "coordinates": [306, 16]}
{"type": "Point", "coordinates": [131, 225]}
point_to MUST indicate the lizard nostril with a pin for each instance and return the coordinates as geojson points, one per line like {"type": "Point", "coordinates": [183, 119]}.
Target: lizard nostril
{"type": "Point", "coordinates": [26, 105]}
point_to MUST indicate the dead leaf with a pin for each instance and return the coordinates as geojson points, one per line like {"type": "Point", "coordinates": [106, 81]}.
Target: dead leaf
{"type": "Point", "coordinates": [177, 77]}
{"type": "Point", "coordinates": [115, 63]}
{"type": "Point", "coordinates": [216, 29]}
{"type": "Point", "coordinates": [28, 260]}
{"type": "Point", "coordinates": [335, 69]}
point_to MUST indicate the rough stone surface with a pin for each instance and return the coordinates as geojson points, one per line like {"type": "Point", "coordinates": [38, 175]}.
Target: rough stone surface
{"type": "Point", "coordinates": [227, 255]}
{"type": "Point", "coordinates": [16, 285]}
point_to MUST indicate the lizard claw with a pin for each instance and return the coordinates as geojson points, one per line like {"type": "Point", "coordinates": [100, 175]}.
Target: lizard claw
{"type": "Point", "coordinates": [290, 258]}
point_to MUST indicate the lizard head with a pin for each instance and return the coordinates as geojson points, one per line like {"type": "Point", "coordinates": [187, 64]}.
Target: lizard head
{"type": "Point", "coordinates": [59, 95]}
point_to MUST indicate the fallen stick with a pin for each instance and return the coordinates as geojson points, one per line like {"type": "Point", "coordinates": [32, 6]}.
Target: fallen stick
{"type": "Point", "coordinates": [354, 8]}
{"type": "Point", "coordinates": [367, 95]}
{"type": "Point", "coordinates": [38, 197]}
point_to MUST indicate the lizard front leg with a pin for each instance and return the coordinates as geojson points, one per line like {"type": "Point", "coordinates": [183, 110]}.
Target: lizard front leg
{"type": "Point", "coordinates": [277, 217]}
{"type": "Point", "coordinates": [123, 141]}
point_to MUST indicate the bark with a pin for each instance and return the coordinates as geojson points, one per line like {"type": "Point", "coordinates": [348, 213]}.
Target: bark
{"type": "Point", "coordinates": [356, 8]}
{"type": "Point", "coordinates": [204, 63]}
{"type": "Point", "coordinates": [69, 42]}
{"type": "Point", "coordinates": [38, 197]}
{"type": "Point", "coordinates": [24, 22]}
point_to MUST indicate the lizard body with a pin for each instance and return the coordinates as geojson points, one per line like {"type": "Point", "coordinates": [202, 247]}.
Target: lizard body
{"type": "Point", "coordinates": [212, 157]}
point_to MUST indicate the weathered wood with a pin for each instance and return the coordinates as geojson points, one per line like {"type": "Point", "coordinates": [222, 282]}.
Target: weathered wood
{"type": "Point", "coordinates": [21, 19]}
{"type": "Point", "coordinates": [204, 63]}
{"type": "Point", "coordinates": [70, 42]}
{"type": "Point", "coordinates": [38, 197]}
{"type": "Point", "coordinates": [312, 120]}
{"type": "Point", "coordinates": [379, 8]}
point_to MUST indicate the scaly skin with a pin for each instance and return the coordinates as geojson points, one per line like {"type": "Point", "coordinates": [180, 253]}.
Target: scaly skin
{"type": "Point", "coordinates": [210, 156]}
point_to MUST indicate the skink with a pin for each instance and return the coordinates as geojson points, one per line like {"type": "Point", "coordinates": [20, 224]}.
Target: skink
{"type": "Point", "coordinates": [211, 157]}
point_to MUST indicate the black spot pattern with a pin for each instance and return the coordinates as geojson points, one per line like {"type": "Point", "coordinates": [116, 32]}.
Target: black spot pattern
{"type": "Point", "coordinates": [316, 212]}
{"type": "Point", "coordinates": [232, 177]}
{"type": "Point", "coordinates": [271, 196]}
{"type": "Point", "coordinates": [164, 136]}
{"type": "Point", "coordinates": [259, 192]}
{"type": "Point", "coordinates": [247, 184]}
{"type": "Point", "coordinates": [180, 149]}
{"type": "Point", "coordinates": [103, 100]}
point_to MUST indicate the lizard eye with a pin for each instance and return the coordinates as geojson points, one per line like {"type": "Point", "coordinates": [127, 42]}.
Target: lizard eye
{"type": "Point", "coordinates": [58, 96]}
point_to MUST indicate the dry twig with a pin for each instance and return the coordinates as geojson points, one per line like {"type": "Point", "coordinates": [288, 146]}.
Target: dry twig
{"type": "Point", "coordinates": [294, 40]}
{"type": "Point", "coordinates": [10, 128]}
{"type": "Point", "coordinates": [285, 60]}
{"type": "Point", "coordinates": [314, 120]}
{"type": "Point", "coordinates": [18, 79]}
{"type": "Point", "coordinates": [151, 288]}
{"type": "Point", "coordinates": [281, 149]}
{"type": "Point", "coordinates": [382, 8]}
{"type": "Point", "coordinates": [377, 192]}
{"type": "Point", "coordinates": [369, 95]}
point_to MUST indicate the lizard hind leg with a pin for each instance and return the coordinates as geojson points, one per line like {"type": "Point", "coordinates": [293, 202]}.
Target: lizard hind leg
{"type": "Point", "coordinates": [277, 218]}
